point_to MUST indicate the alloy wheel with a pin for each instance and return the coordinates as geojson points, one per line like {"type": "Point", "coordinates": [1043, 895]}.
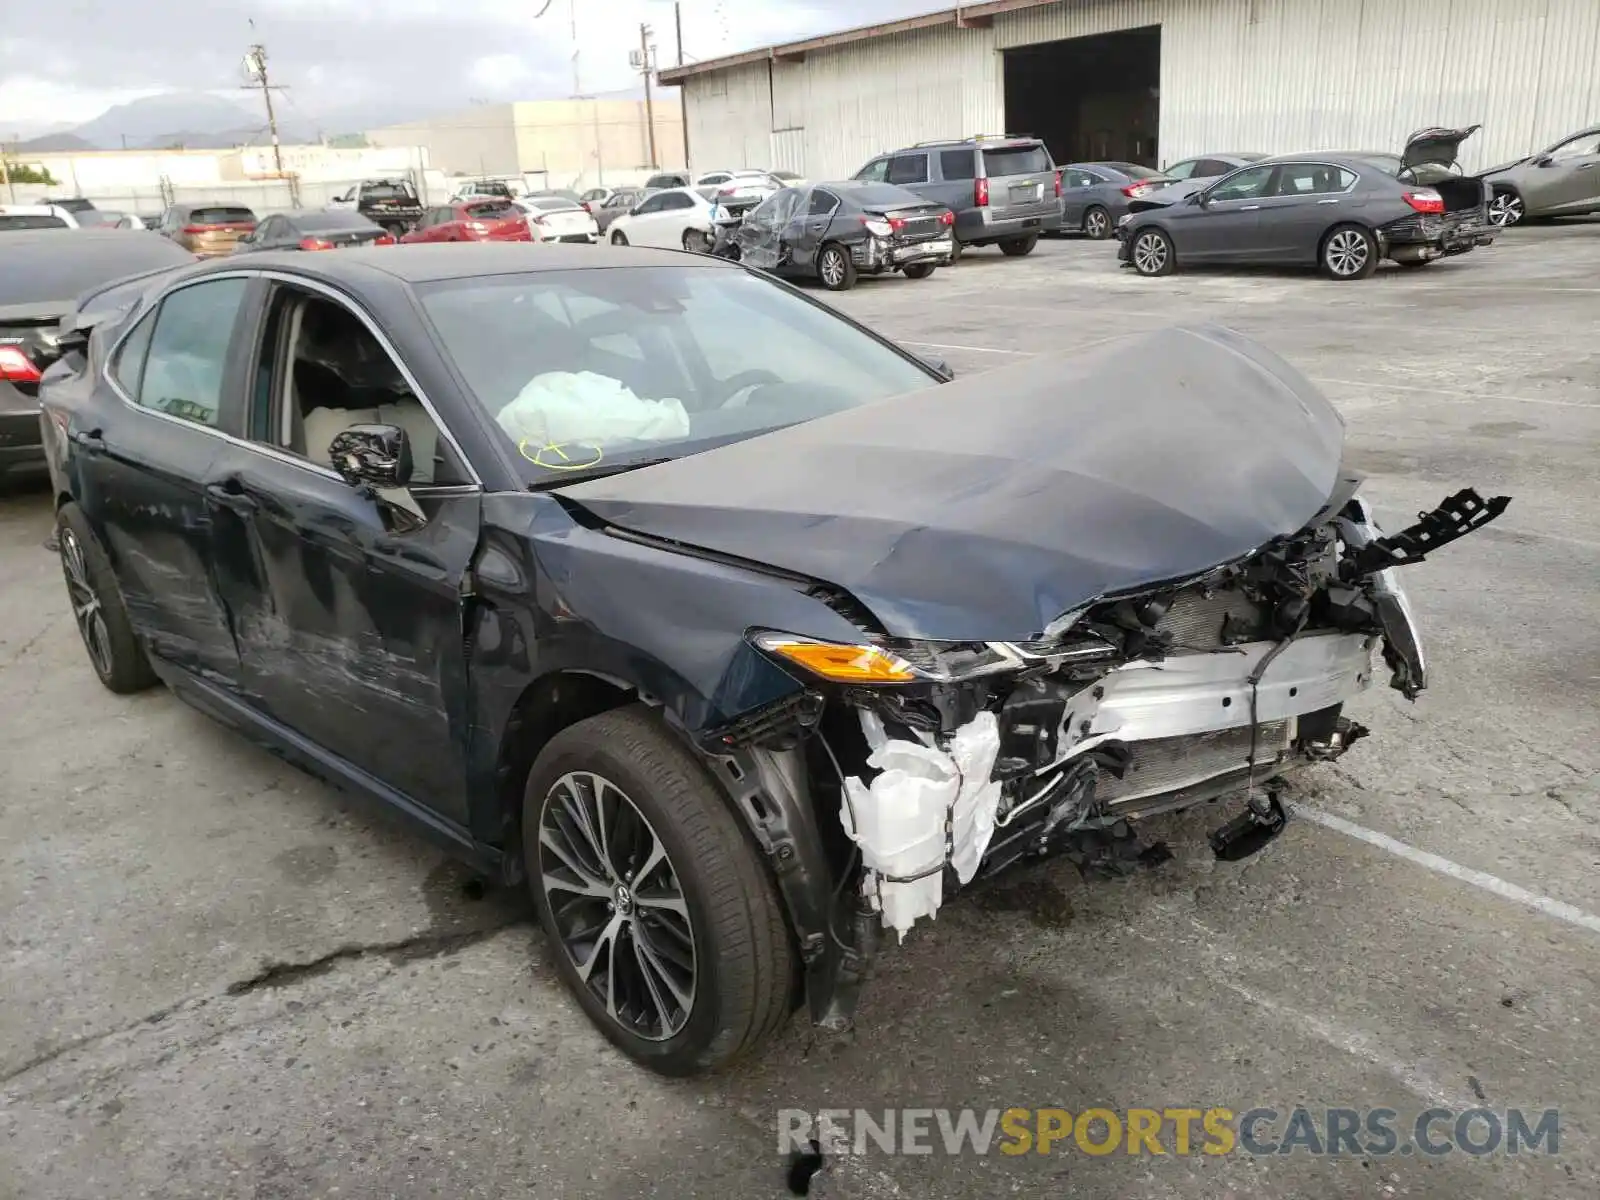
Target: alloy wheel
{"type": "Point", "coordinates": [86, 609]}
{"type": "Point", "coordinates": [617, 904]}
{"type": "Point", "coordinates": [1346, 252]}
{"type": "Point", "coordinates": [832, 268]}
{"type": "Point", "coordinates": [1150, 253]}
{"type": "Point", "coordinates": [1097, 224]}
{"type": "Point", "coordinates": [1505, 209]}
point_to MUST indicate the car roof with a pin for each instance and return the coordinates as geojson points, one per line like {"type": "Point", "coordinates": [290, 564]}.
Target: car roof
{"type": "Point", "coordinates": [1338, 158]}
{"type": "Point", "coordinates": [434, 262]}
{"type": "Point", "coordinates": [31, 210]}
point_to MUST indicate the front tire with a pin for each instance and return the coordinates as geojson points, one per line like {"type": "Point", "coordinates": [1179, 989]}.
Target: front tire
{"type": "Point", "coordinates": [618, 238]}
{"type": "Point", "coordinates": [834, 268]}
{"type": "Point", "coordinates": [1018, 246]}
{"type": "Point", "coordinates": [920, 270]}
{"type": "Point", "coordinates": [696, 242]}
{"type": "Point", "coordinates": [1097, 223]}
{"type": "Point", "coordinates": [1153, 253]}
{"type": "Point", "coordinates": [1506, 209]}
{"type": "Point", "coordinates": [1349, 252]}
{"type": "Point", "coordinates": [97, 608]}
{"type": "Point", "coordinates": [665, 924]}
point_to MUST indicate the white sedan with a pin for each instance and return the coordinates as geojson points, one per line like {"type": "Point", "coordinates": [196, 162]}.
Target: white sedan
{"type": "Point", "coordinates": [671, 219]}
{"type": "Point", "coordinates": [557, 219]}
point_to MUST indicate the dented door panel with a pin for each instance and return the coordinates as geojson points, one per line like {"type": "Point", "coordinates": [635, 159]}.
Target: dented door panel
{"type": "Point", "coordinates": [348, 616]}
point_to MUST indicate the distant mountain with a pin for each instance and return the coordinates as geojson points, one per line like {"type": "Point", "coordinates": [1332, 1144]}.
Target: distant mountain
{"type": "Point", "coordinates": [160, 119]}
{"type": "Point", "coordinates": [53, 142]}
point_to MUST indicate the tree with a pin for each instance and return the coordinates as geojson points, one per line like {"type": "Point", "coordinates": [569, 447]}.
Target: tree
{"type": "Point", "coordinates": [22, 173]}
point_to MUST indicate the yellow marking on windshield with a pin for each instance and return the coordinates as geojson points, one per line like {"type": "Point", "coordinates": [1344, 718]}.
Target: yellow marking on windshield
{"type": "Point", "coordinates": [554, 456]}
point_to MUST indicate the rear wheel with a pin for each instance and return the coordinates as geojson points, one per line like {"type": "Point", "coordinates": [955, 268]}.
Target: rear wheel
{"type": "Point", "coordinates": [97, 607]}
{"type": "Point", "coordinates": [618, 238]}
{"type": "Point", "coordinates": [1016, 247]}
{"type": "Point", "coordinates": [1153, 253]}
{"type": "Point", "coordinates": [1506, 209]}
{"type": "Point", "coordinates": [920, 270]}
{"type": "Point", "coordinates": [1349, 252]}
{"type": "Point", "coordinates": [665, 924]}
{"type": "Point", "coordinates": [696, 242]}
{"type": "Point", "coordinates": [1097, 223]}
{"type": "Point", "coordinates": [834, 268]}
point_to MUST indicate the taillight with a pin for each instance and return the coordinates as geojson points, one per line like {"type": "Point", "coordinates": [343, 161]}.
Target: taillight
{"type": "Point", "coordinates": [314, 243]}
{"type": "Point", "coordinates": [17, 367]}
{"type": "Point", "coordinates": [586, 207]}
{"type": "Point", "coordinates": [192, 229]}
{"type": "Point", "coordinates": [1425, 201]}
{"type": "Point", "coordinates": [947, 217]}
{"type": "Point", "coordinates": [897, 223]}
{"type": "Point", "coordinates": [383, 239]}
{"type": "Point", "coordinates": [727, 191]}
{"type": "Point", "coordinates": [1133, 191]}
{"type": "Point", "coordinates": [476, 227]}
{"type": "Point", "coordinates": [980, 193]}
{"type": "Point", "coordinates": [1058, 185]}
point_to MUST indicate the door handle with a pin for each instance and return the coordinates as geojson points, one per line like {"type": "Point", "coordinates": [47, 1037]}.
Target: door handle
{"type": "Point", "coordinates": [1588, 166]}
{"type": "Point", "coordinates": [1248, 207]}
{"type": "Point", "coordinates": [89, 441]}
{"type": "Point", "coordinates": [1327, 201]}
{"type": "Point", "coordinates": [230, 494]}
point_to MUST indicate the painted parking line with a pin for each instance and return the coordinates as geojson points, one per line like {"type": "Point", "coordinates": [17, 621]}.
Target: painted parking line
{"type": "Point", "coordinates": [1558, 909]}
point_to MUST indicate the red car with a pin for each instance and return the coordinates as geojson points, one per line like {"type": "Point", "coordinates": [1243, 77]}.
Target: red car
{"type": "Point", "coordinates": [489, 220]}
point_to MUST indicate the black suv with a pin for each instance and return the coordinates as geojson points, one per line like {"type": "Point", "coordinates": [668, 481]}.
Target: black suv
{"type": "Point", "coordinates": [1003, 190]}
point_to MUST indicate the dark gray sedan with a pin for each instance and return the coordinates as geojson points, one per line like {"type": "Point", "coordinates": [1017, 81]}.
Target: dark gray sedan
{"type": "Point", "coordinates": [1095, 194]}
{"type": "Point", "coordinates": [1340, 213]}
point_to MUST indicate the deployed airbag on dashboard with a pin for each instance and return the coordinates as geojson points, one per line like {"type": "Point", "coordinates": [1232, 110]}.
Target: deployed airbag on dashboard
{"type": "Point", "coordinates": [558, 407]}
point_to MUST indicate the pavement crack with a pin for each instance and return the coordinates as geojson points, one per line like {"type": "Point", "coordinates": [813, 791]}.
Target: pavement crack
{"type": "Point", "coordinates": [89, 1039]}
{"type": "Point", "coordinates": [404, 950]}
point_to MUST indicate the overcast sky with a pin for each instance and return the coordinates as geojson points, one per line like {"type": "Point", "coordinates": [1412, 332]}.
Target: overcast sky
{"type": "Point", "coordinates": [82, 56]}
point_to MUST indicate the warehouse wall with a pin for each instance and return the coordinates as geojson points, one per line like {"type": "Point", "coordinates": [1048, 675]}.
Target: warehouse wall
{"type": "Point", "coordinates": [1268, 75]}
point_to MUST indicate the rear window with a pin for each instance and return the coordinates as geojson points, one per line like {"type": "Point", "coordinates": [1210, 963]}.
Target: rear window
{"type": "Point", "coordinates": [493, 209]}
{"type": "Point", "coordinates": [58, 265]}
{"type": "Point", "coordinates": [30, 221]}
{"type": "Point", "coordinates": [328, 222]}
{"type": "Point", "coordinates": [1133, 170]}
{"type": "Point", "coordinates": [222, 216]}
{"type": "Point", "coordinates": [552, 203]}
{"type": "Point", "coordinates": [958, 164]}
{"type": "Point", "coordinates": [387, 191]}
{"type": "Point", "coordinates": [1016, 160]}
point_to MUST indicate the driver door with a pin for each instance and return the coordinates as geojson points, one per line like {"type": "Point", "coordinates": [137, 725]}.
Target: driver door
{"type": "Point", "coordinates": [346, 605]}
{"type": "Point", "coordinates": [1571, 182]}
{"type": "Point", "coordinates": [1226, 227]}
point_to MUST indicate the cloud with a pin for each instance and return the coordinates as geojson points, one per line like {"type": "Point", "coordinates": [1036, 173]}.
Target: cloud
{"type": "Point", "coordinates": [408, 56]}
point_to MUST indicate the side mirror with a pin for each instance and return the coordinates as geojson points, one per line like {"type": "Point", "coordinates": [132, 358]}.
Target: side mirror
{"type": "Point", "coordinates": [1196, 198]}
{"type": "Point", "coordinates": [938, 365]}
{"type": "Point", "coordinates": [1544, 160]}
{"type": "Point", "coordinates": [375, 455]}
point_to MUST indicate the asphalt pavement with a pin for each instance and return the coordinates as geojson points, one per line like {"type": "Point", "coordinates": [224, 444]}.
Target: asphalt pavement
{"type": "Point", "coordinates": [220, 978]}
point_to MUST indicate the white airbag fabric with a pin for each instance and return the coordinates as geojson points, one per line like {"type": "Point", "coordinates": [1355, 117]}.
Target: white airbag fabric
{"type": "Point", "coordinates": [581, 406]}
{"type": "Point", "coordinates": [923, 809]}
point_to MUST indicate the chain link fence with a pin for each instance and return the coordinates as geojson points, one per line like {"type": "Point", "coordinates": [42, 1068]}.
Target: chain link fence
{"type": "Point", "coordinates": [261, 196]}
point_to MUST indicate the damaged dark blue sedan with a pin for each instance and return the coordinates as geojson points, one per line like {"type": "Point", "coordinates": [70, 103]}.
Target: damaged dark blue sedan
{"type": "Point", "coordinates": [731, 630]}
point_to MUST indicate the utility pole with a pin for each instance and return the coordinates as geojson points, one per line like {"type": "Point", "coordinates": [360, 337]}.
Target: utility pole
{"type": "Point", "coordinates": [255, 65]}
{"type": "Point", "coordinates": [5, 175]}
{"type": "Point", "coordinates": [649, 100]}
{"type": "Point", "coordinates": [683, 92]}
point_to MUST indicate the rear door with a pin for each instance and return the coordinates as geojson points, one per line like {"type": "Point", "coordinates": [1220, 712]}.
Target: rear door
{"type": "Point", "coordinates": [809, 226]}
{"type": "Point", "coordinates": [1077, 193]}
{"type": "Point", "coordinates": [180, 373]}
{"type": "Point", "coordinates": [1021, 181]}
{"type": "Point", "coordinates": [1305, 199]}
{"type": "Point", "coordinates": [347, 604]}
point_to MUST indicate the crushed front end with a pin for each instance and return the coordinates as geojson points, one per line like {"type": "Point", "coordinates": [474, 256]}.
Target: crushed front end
{"type": "Point", "coordinates": [927, 765]}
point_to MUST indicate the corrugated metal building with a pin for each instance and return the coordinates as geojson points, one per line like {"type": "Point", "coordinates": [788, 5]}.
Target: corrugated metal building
{"type": "Point", "coordinates": [1157, 80]}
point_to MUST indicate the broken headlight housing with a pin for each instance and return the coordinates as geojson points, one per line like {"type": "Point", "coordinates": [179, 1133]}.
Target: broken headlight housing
{"type": "Point", "coordinates": [902, 662]}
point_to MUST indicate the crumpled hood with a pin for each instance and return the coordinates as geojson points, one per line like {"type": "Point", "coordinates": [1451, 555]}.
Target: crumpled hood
{"type": "Point", "coordinates": [985, 508]}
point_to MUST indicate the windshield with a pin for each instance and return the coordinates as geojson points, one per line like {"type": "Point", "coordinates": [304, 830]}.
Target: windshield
{"type": "Point", "coordinates": [589, 369]}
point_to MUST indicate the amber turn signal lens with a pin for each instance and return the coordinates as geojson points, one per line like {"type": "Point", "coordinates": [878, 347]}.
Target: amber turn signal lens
{"type": "Point", "coordinates": [841, 664]}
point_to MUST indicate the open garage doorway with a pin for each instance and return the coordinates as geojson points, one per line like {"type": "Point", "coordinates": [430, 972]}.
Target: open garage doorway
{"type": "Point", "coordinates": [1091, 99]}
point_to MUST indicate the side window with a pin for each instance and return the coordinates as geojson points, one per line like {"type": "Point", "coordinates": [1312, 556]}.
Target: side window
{"type": "Point", "coordinates": [1244, 185]}
{"type": "Point", "coordinates": [1184, 169]}
{"type": "Point", "coordinates": [653, 204]}
{"type": "Point", "coordinates": [1578, 147]}
{"type": "Point", "coordinates": [128, 364]}
{"type": "Point", "coordinates": [188, 351]}
{"type": "Point", "coordinates": [336, 374]}
{"type": "Point", "coordinates": [784, 204]}
{"type": "Point", "coordinates": [271, 230]}
{"type": "Point", "coordinates": [1311, 179]}
{"type": "Point", "coordinates": [875, 171]}
{"type": "Point", "coordinates": [1211, 168]}
{"type": "Point", "coordinates": [958, 164]}
{"type": "Point", "coordinates": [1082, 179]}
{"type": "Point", "coordinates": [908, 168]}
{"type": "Point", "coordinates": [675, 200]}
{"type": "Point", "coordinates": [822, 203]}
